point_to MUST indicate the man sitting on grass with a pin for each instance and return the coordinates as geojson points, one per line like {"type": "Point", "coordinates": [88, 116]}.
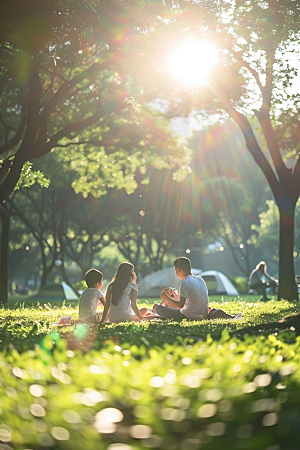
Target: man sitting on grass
{"type": "Point", "coordinates": [192, 301]}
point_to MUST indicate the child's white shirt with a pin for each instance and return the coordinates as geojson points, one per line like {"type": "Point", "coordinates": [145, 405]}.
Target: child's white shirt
{"type": "Point", "coordinates": [88, 302]}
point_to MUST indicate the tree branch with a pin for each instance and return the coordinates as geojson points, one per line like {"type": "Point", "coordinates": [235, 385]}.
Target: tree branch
{"type": "Point", "coordinates": [251, 142]}
{"type": "Point", "coordinates": [4, 168]}
{"type": "Point", "coordinates": [264, 119]}
{"type": "Point", "coordinates": [34, 96]}
{"type": "Point", "coordinates": [239, 57]}
{"type": "Point", "coordinates": [12, 177]}
{"type": "Point", "coordinates": [67, 86]}
{"type": "Point", "coordinates": [76, 127]}
{"type": "Point", "coordinates": [98, 143]}
{"type": "Point", "coordinates": [16, 138]}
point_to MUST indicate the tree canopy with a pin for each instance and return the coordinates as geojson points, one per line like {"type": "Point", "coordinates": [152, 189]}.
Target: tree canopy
{"type": "Point", "coordinates": [65, 79]}
{"type": "Point", "coordinates": [258, 44]}
{"type": "Point", "coordinates": [71, 77]}
{"type": "Point", "coordinates": [230, 198]}
{"type": "Point", "coordinates": [93, 62]}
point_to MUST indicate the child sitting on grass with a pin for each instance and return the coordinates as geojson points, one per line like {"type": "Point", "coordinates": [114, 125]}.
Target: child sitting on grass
{"type": "Point", "coordinates": [121, 297]}
{"type": "Point", "coordinates": [91, 297]}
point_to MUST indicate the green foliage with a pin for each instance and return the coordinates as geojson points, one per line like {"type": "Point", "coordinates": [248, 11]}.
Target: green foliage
{"type": "Point", "coordinates": [144, 225]}
{"type": "Point", "coordinates": [255, 77]}
{"type": "Point", "coordinates": [68, 85]}
{"type": "Point", "coordinates": [231, 199]}
{"type": "Point", "coordinates": [241, 284]}
{"type": "Point", "coordinates": [29, 177]}
{"type": "Point", "coordinates": [79, 285]}
{"type": "Point", "coordinates": [268, 229]}
{"type": "Point", "coordinates": [148, 385]}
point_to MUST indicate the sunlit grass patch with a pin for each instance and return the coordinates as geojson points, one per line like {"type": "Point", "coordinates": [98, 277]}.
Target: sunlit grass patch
{"type": "Point", "coordinates": [160, 384]}
{"type": "Point", "coordinates": [208, 394]}
{"type": "Point", "coordinates": [24, 325]}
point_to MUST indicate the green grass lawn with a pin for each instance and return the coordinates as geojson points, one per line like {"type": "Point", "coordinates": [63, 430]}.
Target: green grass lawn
{"type": "Point", "coordinates": [161, 385]}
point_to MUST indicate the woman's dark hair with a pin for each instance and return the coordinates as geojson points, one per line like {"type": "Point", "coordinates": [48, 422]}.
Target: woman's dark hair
{"type": "Point", "coordinates": [120, 281]}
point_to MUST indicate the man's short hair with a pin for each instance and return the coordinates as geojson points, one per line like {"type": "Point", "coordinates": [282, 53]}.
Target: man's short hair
{"type": "Point", "coordinates": [183, 263]}
{"type": "Point", "coordinates": [92, 277]}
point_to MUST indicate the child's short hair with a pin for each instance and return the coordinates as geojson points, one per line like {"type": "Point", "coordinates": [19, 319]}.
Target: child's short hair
{"type": "Point", "coordinates": [92, 277]}
{"type": "Point", "coordinates": [183, 263]}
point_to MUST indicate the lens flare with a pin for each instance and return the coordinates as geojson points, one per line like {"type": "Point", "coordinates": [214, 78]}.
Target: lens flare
{"type": "Point", "coordinates": [192, 62]}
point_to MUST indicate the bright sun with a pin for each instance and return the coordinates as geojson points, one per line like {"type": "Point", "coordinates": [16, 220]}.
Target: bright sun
{"type": "Point", "coordinates": [192, 62]}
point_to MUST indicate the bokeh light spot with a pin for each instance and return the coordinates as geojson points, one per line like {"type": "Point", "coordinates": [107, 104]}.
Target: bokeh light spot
{"type": "Point", "coordinates": [60, 434]}
{"type": "Point", "coordinates": [140, 431]}
{"type": "Point", "coordinates": [208, 410]}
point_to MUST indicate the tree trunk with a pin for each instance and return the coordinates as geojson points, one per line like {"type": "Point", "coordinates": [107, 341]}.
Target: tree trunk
{"type": "Point", "coordinates": [286, 192]}
{"type": "Point", "coordinates": [287, 288]}
{"type": "Point", "coordinates": [44, 277]}
{"type": "Point", "coordinates": [5, 217]}
{"type": "Point", "coordinates": [64, 274]}
{"type": "Point", "coordinates": [62, 257]}
{"type": "Point", "coordinates": [46, 270]}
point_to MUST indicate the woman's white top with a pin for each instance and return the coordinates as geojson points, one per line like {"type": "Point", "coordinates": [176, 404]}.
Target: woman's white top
{"type": "Point", "coordinates": [122, 312]}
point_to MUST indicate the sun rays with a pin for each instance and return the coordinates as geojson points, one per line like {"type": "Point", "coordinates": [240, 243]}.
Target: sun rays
{"type": "Point", "coordinates": [192, 62]}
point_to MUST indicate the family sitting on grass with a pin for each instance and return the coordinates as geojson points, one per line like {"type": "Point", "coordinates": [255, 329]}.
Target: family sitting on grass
{"type": "Point", "coordinates": [120, 301]}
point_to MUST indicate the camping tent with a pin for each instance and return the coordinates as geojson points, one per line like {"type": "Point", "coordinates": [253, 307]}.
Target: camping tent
{"type": "Point", "coordinates": [149, 286]}
{"type": "Point", "coordinates": [217, 282]}
{"type": "Point", "coordinates": [60, 291]}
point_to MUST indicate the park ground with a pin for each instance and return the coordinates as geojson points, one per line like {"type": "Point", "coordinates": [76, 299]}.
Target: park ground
{"type": "Point", "coordinates": [161, 385]}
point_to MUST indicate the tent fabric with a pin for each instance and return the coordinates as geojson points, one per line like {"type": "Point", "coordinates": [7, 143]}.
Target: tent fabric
{"type": "Point", "coordinates": [69, 292]}
{"type": "Point", "coordinates": [149, 286]}
{"type": "Point", "coordinates": [53, 292]}
{"type": "Point", "coordinates": [217, 282]}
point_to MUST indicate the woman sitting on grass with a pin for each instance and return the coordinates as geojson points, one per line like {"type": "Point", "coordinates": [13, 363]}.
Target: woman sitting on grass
{"type": "Point", "coordinates": [121, 295]}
